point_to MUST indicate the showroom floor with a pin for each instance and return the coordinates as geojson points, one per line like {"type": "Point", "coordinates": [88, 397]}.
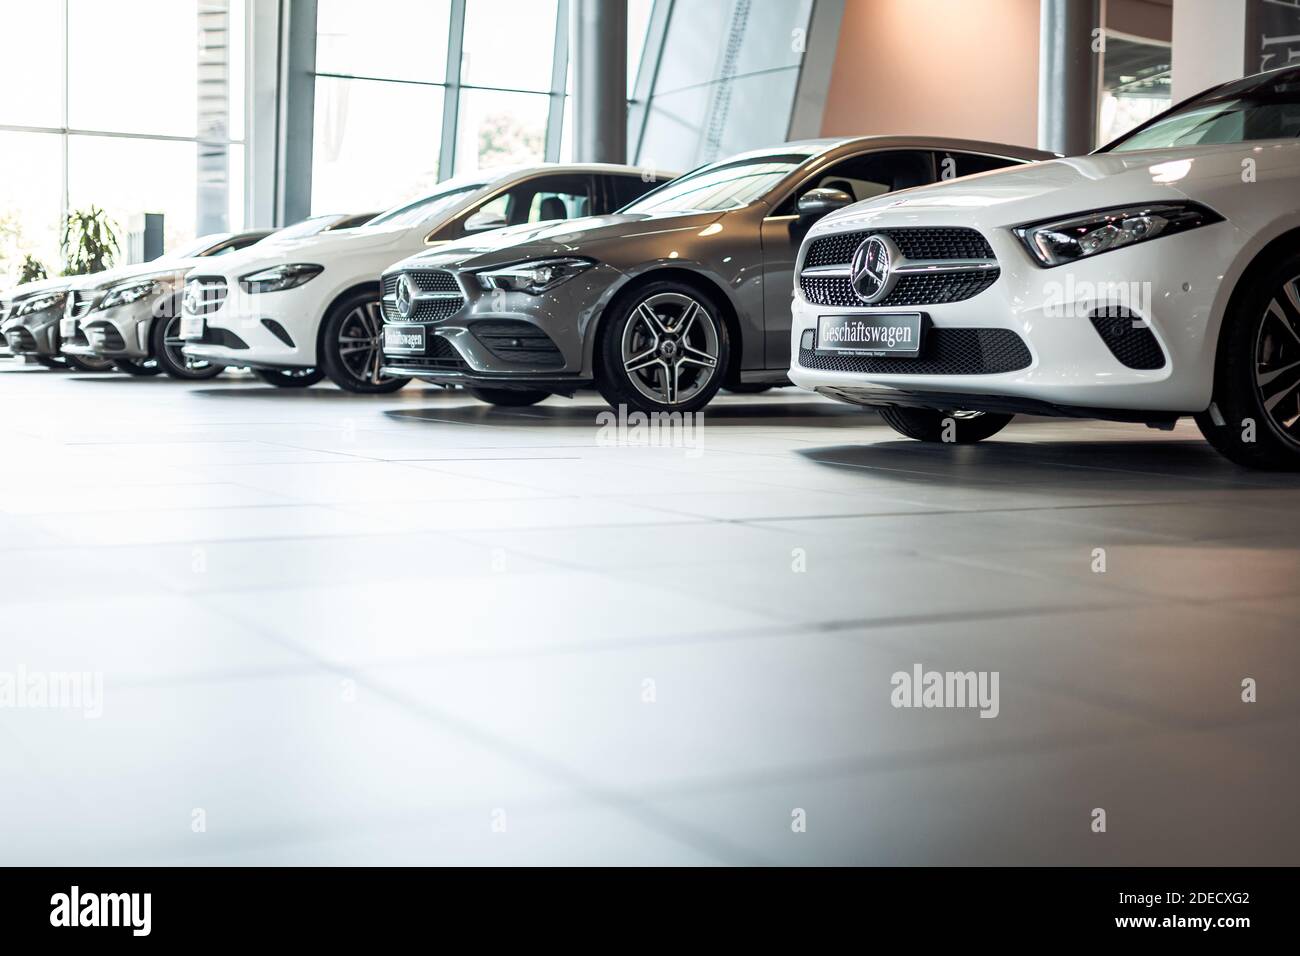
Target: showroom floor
{"type": "Point", "coordinates": [415, 630]}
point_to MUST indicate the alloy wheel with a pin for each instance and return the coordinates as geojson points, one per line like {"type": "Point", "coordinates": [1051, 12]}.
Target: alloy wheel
{"type": "Point", "coordinates": [1277, 361]}
{"type": "Point", "coordinates": [360, 343]}
{"type": "Point", "coordinates": [174, 345]}
{"type": "Point", "coordinates": [670, 348]}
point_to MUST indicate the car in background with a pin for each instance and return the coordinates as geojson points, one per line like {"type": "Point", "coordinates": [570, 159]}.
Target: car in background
{"type": "Point", "coordinates": [683, 291]}
{"type": "Point", "coordinates": [1155, 278]}
{"type": "Point", "coordinates": [131, 316]}
{"type": "Point", "coordinates": [298, 310]}
{"type": "Point", "coordinates": [30, 324]}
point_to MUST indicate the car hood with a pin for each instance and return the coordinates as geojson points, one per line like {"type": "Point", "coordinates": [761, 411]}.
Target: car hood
{"type": "Point", "coordinates": [1056, 187]}
{"type": "Point", "coordinates": [140, 270]}
{"type": "Point", "coordinates": [37, 287]}
{"type": "Point", "coordinates": [563, 237]}
{"type": "Point", "coordinates": [322, 249]}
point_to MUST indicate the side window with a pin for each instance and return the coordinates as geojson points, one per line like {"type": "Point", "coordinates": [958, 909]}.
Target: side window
{"type": "Point", "coordinates": [627, 189]}
{"type": "Point", "coordinates": [868, 176]}
{"type": "Point", "coordinates": [543, 199]}
{"type": "Point", "coordinates": [951, 165]}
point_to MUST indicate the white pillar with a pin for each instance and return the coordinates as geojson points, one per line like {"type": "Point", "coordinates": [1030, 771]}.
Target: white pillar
{"type": "Point", "coordinates": [1209, 44]}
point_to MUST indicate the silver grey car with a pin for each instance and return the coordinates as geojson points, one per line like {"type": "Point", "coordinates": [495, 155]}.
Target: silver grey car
{"type": "Point", "coordinates": [685, 290]}
{"type": "Point", "coordinates": [126, 317]}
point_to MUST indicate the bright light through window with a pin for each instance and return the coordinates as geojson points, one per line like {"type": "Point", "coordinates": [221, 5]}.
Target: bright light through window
{"type": "Point", "coordinates": [133, 67]}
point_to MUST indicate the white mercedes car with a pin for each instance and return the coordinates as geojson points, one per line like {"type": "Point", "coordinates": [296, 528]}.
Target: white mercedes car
{"type": "Point", "coordinates": [1156, 278]}
{"type": "Point", "coordinates": [131, 315]}
{"type": "Point", "coordinates": [298, 310]}
{"type": "Point", "coordinates": [120, 318]}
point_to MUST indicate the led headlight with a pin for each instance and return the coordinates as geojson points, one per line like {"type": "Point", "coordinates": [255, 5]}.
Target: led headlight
{"type": "Point", "coordinates": [534, 277]}
{"type": "Point", "coordinates": [126, 294]}
{"type": "Point", "coordinates": [1059, 241]}
{"type": "Point", "coordinates": [41, 303]}
{"type": "Point", "coordinates": [278, 278]}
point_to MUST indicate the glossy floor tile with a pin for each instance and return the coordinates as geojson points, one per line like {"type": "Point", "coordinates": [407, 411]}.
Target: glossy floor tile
{"type": "Point", "coordinates": [249, 625]}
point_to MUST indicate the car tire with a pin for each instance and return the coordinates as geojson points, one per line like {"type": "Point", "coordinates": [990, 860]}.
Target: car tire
{"type": "Point", "coordinates": [145, 369]}
{"type": "Point", "coordinates": [79, 364]}
{"type": "Point", "coordinates": [1256, 391]}
{"type": "Point", "coordinates": [653, 336]}
{"type": "Point", "coordinates": [507, 397]}
{"type": "Point", "coordinates": [166, 346]}
{"type": "Point", "coordinates": [933, 425]}
{"type": "Point", "coordinates": [290, 377]}
{"type": "Point", "coordinates": [747, 388]}
{"type": "Point", "coordinates": [352, 349]}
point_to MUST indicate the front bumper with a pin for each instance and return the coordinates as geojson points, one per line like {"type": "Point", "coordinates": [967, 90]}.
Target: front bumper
{"type": "Point", "coordinates": [110, 333]}
{"type": "Point", "coordinates": [273, 330]}
{"type": "Point", "coordinates": [501, 339]}
{"type": "Point", "coordinates": [34, 334]}
{"type": "Point", "coordinates": [1170, 284]}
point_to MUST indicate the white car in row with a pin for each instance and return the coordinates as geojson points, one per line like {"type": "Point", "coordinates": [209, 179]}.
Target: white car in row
{"type": "Point", "coordinates": [296, 310]}
{"type": "Point", "coordinates": [130, 316]}
{"type": "Point", "coordinates": [1156, 278]}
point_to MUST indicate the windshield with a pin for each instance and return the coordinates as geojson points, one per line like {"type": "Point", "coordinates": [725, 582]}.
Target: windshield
{"type": "Point", "coordinates": [308, 227]}
{"type": "Point", "coordinates": [417, 212]}
{"type": "Point", "coordinates": [721, 186]}
{"type": "Point", "coordinates": [1258, 107]}
{"type": "Point", "coordinates": [197, 247]}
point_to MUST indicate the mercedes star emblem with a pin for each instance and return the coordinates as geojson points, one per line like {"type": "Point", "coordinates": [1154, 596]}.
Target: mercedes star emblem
{"type": "Point", "coordinates": [872, 273]}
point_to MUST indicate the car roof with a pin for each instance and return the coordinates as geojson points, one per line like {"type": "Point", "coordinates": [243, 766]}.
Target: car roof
{"type": "Point", "coordinates": [834, 144]}
{"type": "Point", "coordinates": [607, 168]}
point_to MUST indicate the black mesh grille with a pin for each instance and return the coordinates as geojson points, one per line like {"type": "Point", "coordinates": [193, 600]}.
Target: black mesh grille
{"type": "Point", "coordinates": [518, 341]}
{"type": "Point", "coordinates": [935, 289]}
{"type": "Point", "coordinates": [223, 337]}
{"type": "Point", "coordinates": [945, 352]}
{"type": "Point", "coordinates": [439, 356]}
{"type": "Point", "coordinates": [1129, 339]}
{"type": "Point", "coordinates": [430, 310]}
{"type": "Point", "coordinates": [954, 243]}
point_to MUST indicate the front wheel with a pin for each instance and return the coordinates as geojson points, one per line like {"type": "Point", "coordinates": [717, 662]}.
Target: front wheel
{"type": "Point", "coordinates": [663, 349]}
{"type": "Point", "coordinates": [139, 369]}
{"type": "Point", "coordinates": [80, 364]}
{"type": "Point", "coordinates": [290, 377]}
{"type": "Point", "coordinates": [352, 349]}
{"type": "Point", "coordinates": [168, 351]}
{"type": "Point", "coordinates": [933, 425]}
{"type": "Point", "coordinates": [507, 397]}
{"type": "Point", "coordinates": [1254, 417]}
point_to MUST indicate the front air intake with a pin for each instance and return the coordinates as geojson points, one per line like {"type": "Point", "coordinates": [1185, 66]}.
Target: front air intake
{"type": "Point", "coordinates": [1129, 338]}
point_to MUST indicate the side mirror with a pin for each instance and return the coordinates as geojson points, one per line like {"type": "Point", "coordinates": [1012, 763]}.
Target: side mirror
{"type": "Point", "coordinates": [816, 203]}
{"type": "Point", "coordinates": [483, 221]}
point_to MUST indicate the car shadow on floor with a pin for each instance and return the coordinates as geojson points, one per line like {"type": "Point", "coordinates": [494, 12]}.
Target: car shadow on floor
{"type": "Point", "coordinates": [1156, 464]}
{"type": "Point", "coordinates": [317, 393]}
{"type": "Point", "coordinates": [757, 413]}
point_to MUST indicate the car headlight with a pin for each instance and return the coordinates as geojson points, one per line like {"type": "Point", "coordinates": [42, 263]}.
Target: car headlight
{"type": "Point", "coordinates": [534, 277]}
{"type": "Point", "coordinates": [126, 294]}
{"type": "Point", "coordinates": [278, 278]}
{"type": "Point", "coordinates": [1059, 241]}
{"type": "Point", "coordinates": [41, 303]}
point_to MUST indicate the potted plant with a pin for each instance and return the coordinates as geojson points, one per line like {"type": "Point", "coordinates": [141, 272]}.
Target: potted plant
{"type": "Point", "coordinates": [32, 270]}
{"type": "Point", "coordinates": [89, 242]}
